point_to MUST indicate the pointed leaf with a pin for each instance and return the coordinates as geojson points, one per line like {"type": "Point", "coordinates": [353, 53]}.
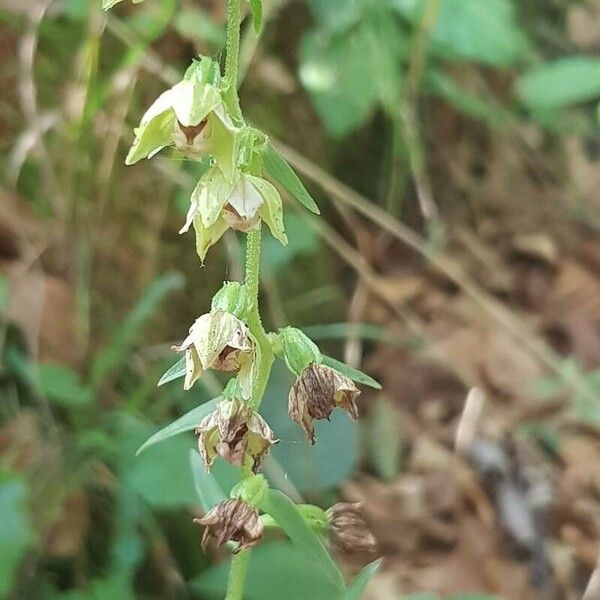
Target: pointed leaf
{"type": "Point", "coordinates": [174, 372]}
{"type": "Point", "coordinates": [277, 167]}
{"type": "Point", "coordinates": [358, 586]}
{"type": "Point", "coordinates": [350, 372]}
{"type": "Point", "coordinates": [257, 14]}
{"type": "Point", "coordinates": [186, 422]}
{"type": "Point", "coordinates": [286, 514]}
{"type": "Point", "coordinates": [207, 487]}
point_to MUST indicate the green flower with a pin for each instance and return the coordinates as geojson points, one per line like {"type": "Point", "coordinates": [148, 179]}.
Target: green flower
{"type": "Point", "coordinates": [218, 204]}
{"type": "Point", "coordinates": [191, 117]}
{"type": "Point", "coordinates": [221, 342]}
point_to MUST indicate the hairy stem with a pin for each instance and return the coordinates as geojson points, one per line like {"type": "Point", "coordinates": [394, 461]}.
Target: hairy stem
{"type": "Point", "coordinates": [232, 48]}
{"type": "Point", "coordinates": [265, 352]}
{"type": "Point", "coordinates": [237, 575]}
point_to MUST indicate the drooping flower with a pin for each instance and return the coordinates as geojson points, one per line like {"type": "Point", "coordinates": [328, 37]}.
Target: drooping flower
{"type": "Point", "coordinates": [218, 204]}
{"type": "Point", "coordinates": [348, 530]}
{"type": "Point", "coordinates": [220, 341]}
{"type": "Point", "coordinates": [232, 520]}
{"type": "Point", "coordinates": [317, 391]}
{"type": "Point", "coordinates": [191, 117]}
{"type": "Point", "coordinates": [236, 433]}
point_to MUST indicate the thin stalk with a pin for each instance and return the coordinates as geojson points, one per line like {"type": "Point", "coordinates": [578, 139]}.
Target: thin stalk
{"type": "Point", "coordinates": [265, 354]}
{"type": "Point", "coordinates": [237, 575]}
{"type": "Point", "coordinates": [232, 48]}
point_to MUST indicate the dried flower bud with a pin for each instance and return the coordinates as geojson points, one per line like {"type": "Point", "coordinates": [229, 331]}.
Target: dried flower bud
{"type": "Point", "coordinates": [315, 394]}
{"type": "Point", "coordinates": [348, 531]}
{"type": "Point", "coordinates": [218, 341]}
{"type": "Point", "coordinates": [235, 432]}
{"type": "Point", "coordinates": [232, 520]}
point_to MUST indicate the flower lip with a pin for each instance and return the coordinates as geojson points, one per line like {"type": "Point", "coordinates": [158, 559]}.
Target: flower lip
{"type": "Point", "coordinates": [193, 131]}
{"type": "Point", "coordinates": [232, 520]}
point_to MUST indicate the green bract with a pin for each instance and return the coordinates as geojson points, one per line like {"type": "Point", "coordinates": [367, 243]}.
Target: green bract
{"type": "Point", "coordinates": [190, 116]}
{"type": "Point", "coordinates": [218, 204]}
{"type": "Point", "coordinates": [299, 350]}
{"type": "Point", "coordinates": [251, 490]}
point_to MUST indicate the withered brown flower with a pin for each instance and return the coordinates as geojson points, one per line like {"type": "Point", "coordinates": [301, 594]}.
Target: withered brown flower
{"type": "Point", "coordinates": [234, 431]}
{"type": "Point", "coordinates": [232, 520]}
{"type": "Point", "coordinates": [315, 394]}
{"type": "Point", "coordinates": [348, 530]}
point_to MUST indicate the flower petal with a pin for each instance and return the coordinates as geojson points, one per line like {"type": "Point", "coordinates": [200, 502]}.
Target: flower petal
{"type": "Point", "coordinates": [271, 211]}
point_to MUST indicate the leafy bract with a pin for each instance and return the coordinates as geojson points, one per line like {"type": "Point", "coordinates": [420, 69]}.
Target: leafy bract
{"type": "Point", "coordinates": [277, 167]}
{"type": "Point", "coordinates": [286, 514]}
{"type": "Point", "coordinates": [351, 372]}
{"type": "Point", "coordinates": [186, 422]}
{"type": "Point", "coordinates": [357, 587]}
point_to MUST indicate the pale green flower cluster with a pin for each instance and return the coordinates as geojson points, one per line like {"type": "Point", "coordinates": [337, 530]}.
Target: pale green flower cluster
{"type": "Point", "coordinates": [192, 118]}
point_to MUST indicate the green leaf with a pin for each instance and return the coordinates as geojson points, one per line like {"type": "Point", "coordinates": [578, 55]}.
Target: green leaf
{"type": "Point", "coordinates": [61, 384]}
{"type": "Point", "coordinates": [485, 32]}
{"type": "Point", "coordinates": [277, 570]}
{"type": "Point", "coordinates": [562, 82]}
{"type": "Point", "coordinates": [286, 514]}
{"type": "Point", "coordinates": [207, 488]}
{"type": "Point", "coordinates": [384, 445]}
{"type": "Point", "coordinates": [186, 422]}
{"type": "Point", "coordinates": [174, 372]}
{"type": "Point", "coordinates": [106, 4]}
{"type": "Point", "coordinates": [277, 168]}
{"type": "Point", "coordinates": [115, 354]}
{"type": "Point", "coordinates": [3, 293]}
{"type": "Point", "coordinates": [17, 533]}
{"type": "Point", "coordinates": [358, 586]}
{"type": "Point", "coordinates": [257, 14]}
{"type": "Point", "coordinates": [350, 372]}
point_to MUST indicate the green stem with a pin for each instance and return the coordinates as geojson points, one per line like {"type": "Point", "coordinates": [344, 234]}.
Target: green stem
{"type": "Point", "coordinates": [232, 47]}
{"type": "Point", "coordinates": [237, 575]}
{"type": "Point", "coordinates": [253, 319]}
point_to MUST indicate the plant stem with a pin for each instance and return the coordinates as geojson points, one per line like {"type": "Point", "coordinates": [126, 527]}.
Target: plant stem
{"type": "Point", "coordinates": [265, 352]}
{"type": "Point", "coordinates": [237, 575]}
{"type": "Point", "coordinates": [232, 47]}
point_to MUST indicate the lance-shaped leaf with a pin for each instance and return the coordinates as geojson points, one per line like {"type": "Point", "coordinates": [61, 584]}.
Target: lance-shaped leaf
{"type": "Point", "coordinates": [351, 373]}
{"type": "Point", "coordinates": [357, 587]}
{"type": "Point", "coordinates": [174, 372]}
{"type": "Point", "coordinates": [277, 168]}
{"type": "Point", "coordinates": [286, 514]}
{"type": "Point", "coordinates": [186, 422]}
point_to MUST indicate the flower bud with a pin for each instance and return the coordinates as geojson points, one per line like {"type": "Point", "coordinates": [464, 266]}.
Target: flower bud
{"type": "Point", "coordinates": [217, 341]}
{"type": "Point", "coordinates": [231, 298]}
{"type": "Point", "coordinates": [232, 521]}
{"type": "Point", "coordinates": [348, 530]}
{"type": "Point", "coordinates": [315, 394]}
{"type": "Point", "coordinates": [299, 351]}
{"type": "Point", "coordinates": [236, 433]}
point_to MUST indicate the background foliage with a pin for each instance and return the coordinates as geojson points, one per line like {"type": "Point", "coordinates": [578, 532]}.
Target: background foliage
{"type": "Point", "coordinates": [472, 123]}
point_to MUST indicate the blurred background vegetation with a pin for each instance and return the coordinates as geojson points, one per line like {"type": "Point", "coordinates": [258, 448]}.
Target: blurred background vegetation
{"type": "Point", "coordinates": [453, 147]}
